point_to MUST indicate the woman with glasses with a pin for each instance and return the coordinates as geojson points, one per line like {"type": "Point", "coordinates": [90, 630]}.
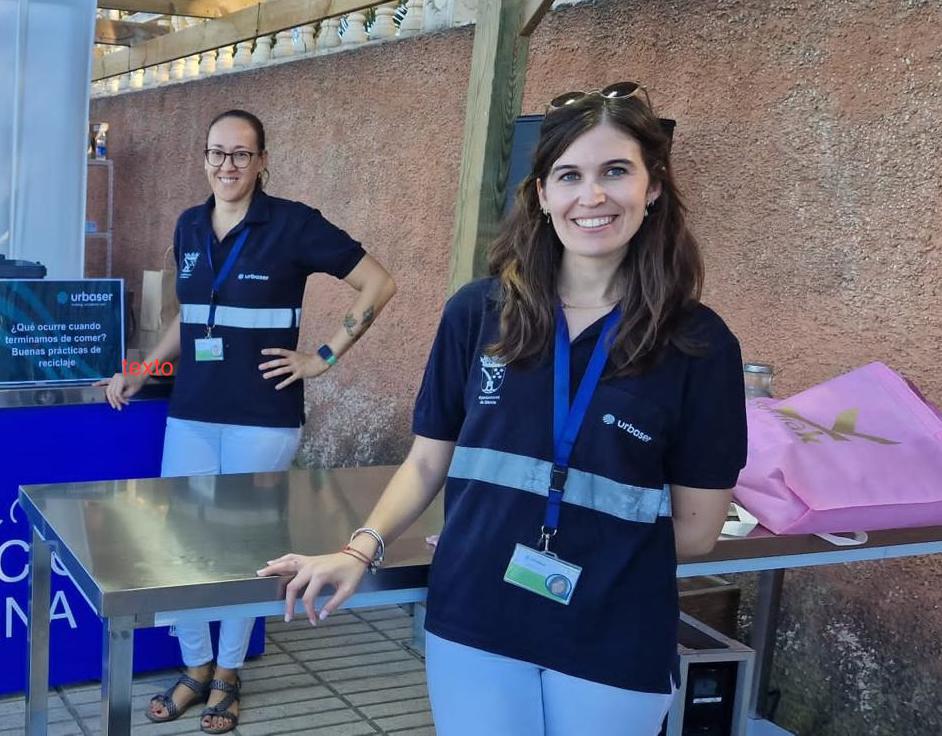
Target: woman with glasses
{"type": "Point", "coordinates": [585, 414]}
{"type": "Point", "coordinates": [243, 258]}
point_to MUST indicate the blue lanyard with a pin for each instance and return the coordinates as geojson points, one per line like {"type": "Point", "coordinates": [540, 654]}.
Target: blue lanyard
{"type": "Point", "coordinates": [223, 272]}
{"type": "Point", "coordinates": [567, 421]}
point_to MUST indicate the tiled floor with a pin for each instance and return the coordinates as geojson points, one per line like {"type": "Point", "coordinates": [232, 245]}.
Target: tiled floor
{"type": "Point", "coordinates": [353, 675]}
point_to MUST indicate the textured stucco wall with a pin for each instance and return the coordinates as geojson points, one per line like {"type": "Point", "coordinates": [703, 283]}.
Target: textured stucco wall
{"type": "Point", "coordinates": [372, 138]}
{"type": "Point", "coordinates": [807, 145]}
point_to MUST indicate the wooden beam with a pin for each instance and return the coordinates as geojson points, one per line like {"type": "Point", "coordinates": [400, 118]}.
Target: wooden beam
{"type": "Point", "coordinates": [495, 91]}
{"type": "Point", "coordinates": [124, 33]}
{"type": "Point", "coordinates": [193, 8]}
{"type": "Point", "coordinates": [243, 25]}
{"type": "Point", "coordinates": [533, 13]}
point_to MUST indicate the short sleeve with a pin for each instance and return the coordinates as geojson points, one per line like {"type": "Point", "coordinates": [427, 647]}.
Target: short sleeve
{"type": "Point", "coordinates": [325, 248]}
{"type": "Point", "coordinates": [709, 446]}
{"type": "Point", "coordinates": [176, 246]}
{"type": "Point", "coordinates": [440, 408]}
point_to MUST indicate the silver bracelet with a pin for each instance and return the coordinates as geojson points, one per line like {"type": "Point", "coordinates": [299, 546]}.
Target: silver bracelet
{"type": "Point", "coordinates": [380, 544]}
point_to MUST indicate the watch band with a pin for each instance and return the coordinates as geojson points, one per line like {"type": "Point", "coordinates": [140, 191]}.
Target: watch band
{"type": "Point", "coordinates": [327, 354]}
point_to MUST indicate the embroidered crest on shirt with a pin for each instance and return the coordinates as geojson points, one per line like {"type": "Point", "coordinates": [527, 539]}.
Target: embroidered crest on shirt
{"type": "Point", "coordinates": [492, 376]}
{"type": "Point", "coordinates": [189, 263]}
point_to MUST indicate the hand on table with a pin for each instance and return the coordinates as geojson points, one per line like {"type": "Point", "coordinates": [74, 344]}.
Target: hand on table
{"type": "Point", "coordinates": [120, 388]}
{"type": "Point", "coordinates": [340, 571]}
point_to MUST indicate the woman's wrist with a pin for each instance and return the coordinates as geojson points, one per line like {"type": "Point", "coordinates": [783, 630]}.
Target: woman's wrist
{"type": "Point", "coordinates": [365, 545]}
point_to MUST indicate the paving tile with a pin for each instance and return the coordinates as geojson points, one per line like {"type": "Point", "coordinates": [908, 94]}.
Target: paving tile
{"type": "Point", "coordinates": [373, 670]}
{"type": "Point", "coordinates": [283, 683]}
{"type": "Point", "coordinates": [395, 708]}
{"type": "Point", "coordinates": [323, 653]}
{"type": "Point", "coordinates": [388, 624]}
{"type": "Point", "coordinates": [377, 683]}
{"type": "Point", "coordinates": [356, 627]}
{"type": "Point", "coordinates": [360, 660]}
{"type": "Point", "coordinates": [309, 721]}
{"type": "Point", "coordinates": [16, 704]}
{"type": "Point", "coordinates": [378, 614]}
{"type": "Point", "coordinates": [387, 695]}
{"type": "Point", "coordinates": [291, 695]}
{"type": "Point", "coordinates": [306, 645]}
{"type": "Point", "coordinates": [412, 720]}
{"type": "Point", "coordinates": [277, 625]}
{"type": "Point", "coordinates": [273, 657]}
{"type": "Point", "coordinates": [15, 718]}
{"type": "Point", "coordinates": [399, 634]}
{"type": "Point", "coordinates": [62, 728]}
{"type": "Point", "coordinates": [252, 713]}
{"type": "Point", "coordinates": [276, 670]}
{"type": "Point", "coordinates": [188, 723]}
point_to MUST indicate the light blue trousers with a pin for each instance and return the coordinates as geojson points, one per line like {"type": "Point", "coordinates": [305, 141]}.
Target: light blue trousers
{"type": "Point", "coordinates": [474, 692]}
{"type": "Point", "coordinates": [204, 448]}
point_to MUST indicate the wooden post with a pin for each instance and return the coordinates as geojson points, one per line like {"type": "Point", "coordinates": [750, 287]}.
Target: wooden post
{"type": "Point", "coordinates": [495, 90]}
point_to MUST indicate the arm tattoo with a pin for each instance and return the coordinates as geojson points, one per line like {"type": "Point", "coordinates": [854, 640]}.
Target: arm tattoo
{"type": "Point", "coordinates": [350, 323]}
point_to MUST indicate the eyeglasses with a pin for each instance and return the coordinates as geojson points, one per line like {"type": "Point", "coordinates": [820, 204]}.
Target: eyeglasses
{"type": "Point", "coordinates": [617, 91]}
{"type": "Point", "coordinates": [240, 159]}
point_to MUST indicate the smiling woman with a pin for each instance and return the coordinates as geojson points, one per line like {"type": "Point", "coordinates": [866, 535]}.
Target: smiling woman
{"type": "Point", "coordinates": [585, 414]}
{"type": "Point", "coordinates": [243, 259]}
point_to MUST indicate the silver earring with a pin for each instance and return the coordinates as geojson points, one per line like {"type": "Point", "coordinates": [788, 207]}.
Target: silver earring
{"type": "Point", "coordinates": [647, 209]}
{"type": "Point", "coordinates": [546, 214]}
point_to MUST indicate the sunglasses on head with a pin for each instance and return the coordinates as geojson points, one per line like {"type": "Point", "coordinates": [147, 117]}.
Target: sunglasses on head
{"type": "Point", "coordinates": [617, 91]}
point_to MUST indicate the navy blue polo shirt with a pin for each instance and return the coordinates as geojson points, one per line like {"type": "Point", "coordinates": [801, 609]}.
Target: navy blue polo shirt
{"type": "Point", "coordinates": [259, 306]}
{"type": "Point", "coordinates": [681, 422]}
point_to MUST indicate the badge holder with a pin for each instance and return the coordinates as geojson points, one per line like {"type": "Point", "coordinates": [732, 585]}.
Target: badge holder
{"type": "Point", "coordinates": [208, 348]}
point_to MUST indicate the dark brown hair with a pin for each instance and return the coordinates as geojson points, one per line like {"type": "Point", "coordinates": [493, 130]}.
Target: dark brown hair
{"type": "Point", "coordinates": [257, 126]}
{"type": "Point", "coordinates": [659, 279]}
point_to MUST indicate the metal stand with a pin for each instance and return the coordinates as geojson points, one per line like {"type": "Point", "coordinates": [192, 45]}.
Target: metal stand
{"type": "Point", "coordinates": [37, 676]}
{"type": "Point", "coordinates": [117, 657]}
{"type": "Point", "coordinates": [762, 640]}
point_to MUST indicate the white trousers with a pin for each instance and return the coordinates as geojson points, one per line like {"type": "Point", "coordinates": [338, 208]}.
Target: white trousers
{"type": "Point", "coordinates": [205, 448]}
{"type": "Point", "coordinates": [474, 692]}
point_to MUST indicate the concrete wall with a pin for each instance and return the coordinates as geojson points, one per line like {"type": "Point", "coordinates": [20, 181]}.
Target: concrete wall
{"type": "Point", "coordinates": [807, 144]}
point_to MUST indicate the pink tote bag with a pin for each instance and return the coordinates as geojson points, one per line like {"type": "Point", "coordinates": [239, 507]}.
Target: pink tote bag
{"type": "Point", "coordinates": [860, 452]}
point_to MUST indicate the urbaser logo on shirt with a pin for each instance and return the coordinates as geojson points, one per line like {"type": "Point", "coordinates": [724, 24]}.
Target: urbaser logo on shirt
{"type": "Point", "coordinates": [626, 427]}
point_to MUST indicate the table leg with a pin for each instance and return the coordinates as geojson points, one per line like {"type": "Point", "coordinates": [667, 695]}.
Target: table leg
{"type": "Point", "coordinates": [764, 629]}
{"type": "Point", "coordinates": [117, 658]}
{"type": "Point", "coordinates": [37, 673]}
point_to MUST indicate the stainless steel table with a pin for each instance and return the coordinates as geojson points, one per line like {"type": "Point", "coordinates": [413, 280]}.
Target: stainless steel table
{"type": "Point", "coordinates": [160, 551]}
{"type": "Point", "coordinates": [156, 552]}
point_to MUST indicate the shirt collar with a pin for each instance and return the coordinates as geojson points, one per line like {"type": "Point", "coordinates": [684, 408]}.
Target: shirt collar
{"type": "Point", "coordinates": [259, 211]}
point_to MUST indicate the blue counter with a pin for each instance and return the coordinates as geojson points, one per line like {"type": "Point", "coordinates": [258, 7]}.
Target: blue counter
{"type": "Point", "coordinates": [68, 434]}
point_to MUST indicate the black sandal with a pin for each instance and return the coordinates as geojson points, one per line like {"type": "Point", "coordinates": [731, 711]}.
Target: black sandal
{"type": "Point", "coordinates": [221, 709]}
{"type": "Point", "coordinates": [165, 699]}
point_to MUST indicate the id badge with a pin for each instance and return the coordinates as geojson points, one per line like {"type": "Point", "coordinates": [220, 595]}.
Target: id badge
{"type": "Point", "coordinates": [208, 348]}
{"type": "Point", "coordinates": [542, 573]}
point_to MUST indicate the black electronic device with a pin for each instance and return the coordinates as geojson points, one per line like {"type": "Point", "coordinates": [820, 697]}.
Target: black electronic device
{"type": "Point", "coordinates": [14, 269]}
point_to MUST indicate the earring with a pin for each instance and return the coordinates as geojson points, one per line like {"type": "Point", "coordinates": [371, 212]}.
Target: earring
{"type": "Point", "coordinates": [546, 214]}
{"type": "Point", "coordinates": [647, 208]}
